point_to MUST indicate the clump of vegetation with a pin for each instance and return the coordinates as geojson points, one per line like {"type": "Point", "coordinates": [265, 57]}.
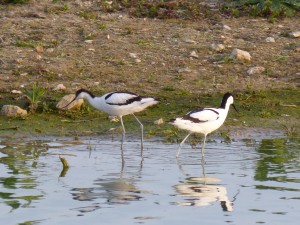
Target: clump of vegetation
{"type": "Point", "coordinates": [271, 9]}
{"type": "Point", "coordinates": [34, 96]}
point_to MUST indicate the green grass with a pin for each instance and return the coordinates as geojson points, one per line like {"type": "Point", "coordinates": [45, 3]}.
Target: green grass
{"type": "Point", "coordinates": [265, 109]}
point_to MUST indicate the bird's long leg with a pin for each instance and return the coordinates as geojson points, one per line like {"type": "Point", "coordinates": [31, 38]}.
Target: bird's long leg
{"type": "Point", "coordinates": [203, 145]}
{"type": "Point", "coordinates": [142, 134]}
{"type": "Point", "coordinates": [123, 132]}
{"type": "Point", "coordinates": [179, 148]}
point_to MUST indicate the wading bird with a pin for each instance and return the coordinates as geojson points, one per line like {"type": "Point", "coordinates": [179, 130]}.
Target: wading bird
{"type": "Point", "coordinates": [203, 121]}
{"type": "Point", "coordinates": [118, 104]}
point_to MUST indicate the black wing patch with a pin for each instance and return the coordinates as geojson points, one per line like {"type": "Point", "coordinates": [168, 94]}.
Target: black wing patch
{"type": "Point", "coordinates": [128, 101]}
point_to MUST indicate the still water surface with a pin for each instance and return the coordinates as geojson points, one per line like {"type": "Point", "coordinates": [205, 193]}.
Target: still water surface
{"type": "Point", "coordinates": [247, 181]}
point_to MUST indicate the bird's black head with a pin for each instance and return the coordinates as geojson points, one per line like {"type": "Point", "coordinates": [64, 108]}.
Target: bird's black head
{"type": "Point", "coordinates": [82, 90]}
{"type": "Point", "coordinates": [227, 98]}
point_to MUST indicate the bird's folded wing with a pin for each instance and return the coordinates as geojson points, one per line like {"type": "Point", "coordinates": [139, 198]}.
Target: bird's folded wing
{"type": "Point", "coordinates": [121, 98]}
{"type": "Point", "coordinates": [204, 115]}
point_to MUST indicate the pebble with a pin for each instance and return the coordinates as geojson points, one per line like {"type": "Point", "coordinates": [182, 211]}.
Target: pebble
{"type": "Point", "coordinates": [217, 47]}
{"type": "Point", "coordinates": [133, 55]}
{"type": "Point", "coordinates": [226, 27]}
{"type": "Point", "coordinates": [59, 87]}
{"type": "Point", "coordinates": [185, 69]}
{"type": "Point", "coordinates": [159, 121]}
{"type": "Point", "coordinates": [270, 39]}
{"type": "Point", "coordinates": [66, 100]}
{"type": "Point", "coordinates": [295, 34]}
{"type": "Point", "coordinates": [16, 92]}
{"type": "Point", "coordinates": [256, 70]}
{"type": "Point", "coordinates": [240, 55]}
{"type": "Point", "coordinates": [88, 41]}
{"type": "Point", "coordinates": [13, 111]}
{"type": "Point", "coordinates": [194, 54]}
{"type": "Point", "coordinates": [39, 49]}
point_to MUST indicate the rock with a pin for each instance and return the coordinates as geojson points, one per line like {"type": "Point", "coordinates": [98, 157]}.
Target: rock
{"type": "Point", "coordinates": [113, 118]}
{"type": "Point", "coordinates": [226, 27]}
{"type": "Point", "coordinates": [16, 92]}
{"type": "Point", "coordinates": [13, 111]}
{"type": "Point", "coordinates": [39, 49]}
{"type": "Point", "coordinates": [270, 39]}
{"type": "Point", "coordinates": [194, 54]}
{"type": "Point", "coordinates": [159, 121]}
{"type": "Point", "coordinates": [63, 103]}
{"type": "Point", "coordinates": [50, 50]}
{"type": "Point", "coordinates": [217, 47]}
{"type": "Point", "coordinates": [59, 87]}
{"type": "Point", "coordinates": [88, 41]}
{"type": "Point", "coordinates": [190, 41]}
{"type": "Point", "coordinates": [133, 55]}
{"type": "Point", "coordinates": [138, 60]}
{"type": "Point", "coordinates": [256, 70]}
{"type": "Point", "coordinates": [38, 57]}
{"type": "Point", "coordinates": [295, 34]}
{"type": "Point", "coordinates": [184, 70]}
{"type": "Point", "coordinates": [240, 55]}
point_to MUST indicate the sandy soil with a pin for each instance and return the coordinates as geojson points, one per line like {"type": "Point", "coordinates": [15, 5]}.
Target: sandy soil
{"type": "Point", "coordinates": [85, 47]}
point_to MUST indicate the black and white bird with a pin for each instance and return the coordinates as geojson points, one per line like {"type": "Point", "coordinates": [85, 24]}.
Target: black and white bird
{"type": "Point", "coordinates": [118, 104]}
{"type": "Point", "coordinates": [204, 121]}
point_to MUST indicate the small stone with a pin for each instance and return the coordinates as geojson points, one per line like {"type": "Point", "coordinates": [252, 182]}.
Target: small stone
{"type": "Point", "coordinates": [270, 39]}
{"type": "Point", "coordinates": [16, 92]}
{"type": "Point", "coordinates": [217, 47]}
{"type": "Point", "coordinates": [13, 111]}
{"type": "Point", "coordinates": [256, 70]}
{"type": "Point", "coordinates": [88, 41]}
{"type": "Point", "coordinates": [190, 41]}
{"type": "Point", "coordinates": [194, 54]}
{"type": "Point", "coordinates": [23, 74]}
{"type": "Point", "coordinates": [226, 27]}
{"type": "Point", "coordinates": [64, 103]}
{"type": "Point", "coordinates": [240, 55]}
{"type": "Point", "coordinates": [133, 55]}
{"type": "Point", "coordinates": [113, 118]}
{"type": "Point", "coordinates": [59, 87]}
{"type": "Point", "coordinates": [295, 34]}
{"type": "Point", "coordinates": [159, 121]}
{"type": "Point", "coordinates": [38, 57]}
{"type": "Point", "coordinates": [138, 60]}
{"type": "Point", "coordinates": [19, 61]}
{"type": "Point", "coordinates": [50, 50]}
{"type": "Point", "coordinates": [92, 49]}
{"type": "Point", "coordinates": [184, 70]}
{"type": "Point", "coordinates": [39, 49]}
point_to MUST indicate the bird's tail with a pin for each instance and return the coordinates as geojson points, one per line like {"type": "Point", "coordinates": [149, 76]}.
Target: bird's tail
{"type": "Point", "coordinates": [149, 101]}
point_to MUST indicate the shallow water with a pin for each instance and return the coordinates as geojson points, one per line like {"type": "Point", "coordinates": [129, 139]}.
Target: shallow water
{"type": "Point", "coordinates": [247, 181]}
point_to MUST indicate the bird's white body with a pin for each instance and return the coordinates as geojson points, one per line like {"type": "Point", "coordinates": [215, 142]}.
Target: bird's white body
{"type": "Point", "coordinates": [209, 119]}
{"type": "Point", "coordinates": [118, 104]}
{"type": "Point", "coordinates": [203, 121]}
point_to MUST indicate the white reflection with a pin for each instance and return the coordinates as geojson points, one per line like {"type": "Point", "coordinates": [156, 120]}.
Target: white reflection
{"type": "Point", "coordinates": [201, 191]}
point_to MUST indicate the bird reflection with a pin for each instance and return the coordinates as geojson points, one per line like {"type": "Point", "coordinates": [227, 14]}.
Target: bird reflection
{"type": "Point", "coordinates": [114, 191]}
{"type": "Point", "coordinates": [199, 191]}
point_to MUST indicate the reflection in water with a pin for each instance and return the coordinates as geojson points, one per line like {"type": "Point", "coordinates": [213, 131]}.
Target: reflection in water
{"type": "Point", "coordinates": [198, 192]}
{"type": "Point", "coordinates": [19, 159]}
{"type": "Point", "coordinates": [278, 160]}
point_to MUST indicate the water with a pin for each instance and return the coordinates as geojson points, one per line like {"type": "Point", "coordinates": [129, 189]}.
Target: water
{"type": "Point", "coordinates": [247, 181]}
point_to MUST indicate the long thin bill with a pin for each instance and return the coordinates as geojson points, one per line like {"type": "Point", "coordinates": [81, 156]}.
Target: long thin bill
{"type": "Point", "coordinates": [235, 107]}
